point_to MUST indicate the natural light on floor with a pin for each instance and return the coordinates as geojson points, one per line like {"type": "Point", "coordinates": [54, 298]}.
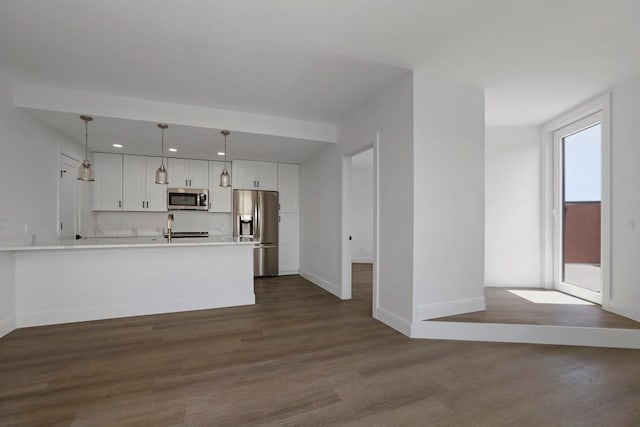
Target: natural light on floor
{"type": "Point", "coordinates": [549, 297]}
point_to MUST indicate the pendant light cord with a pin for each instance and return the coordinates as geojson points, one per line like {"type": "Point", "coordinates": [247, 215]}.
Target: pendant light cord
{"type": "Point", "coordinates": [162, 153]}
{"type": "Point", "coordinates": [86, 140]}
{"type": "Point", "coordinates": [225, 151]}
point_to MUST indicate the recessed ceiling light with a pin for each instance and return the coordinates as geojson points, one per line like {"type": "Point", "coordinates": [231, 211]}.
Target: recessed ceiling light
{"type": "Point", "coordinates": [220, 153]}
{"type": "Point", "coordinates": [173, 150]}
{"type": "Point", "coordinates": [117, 145]}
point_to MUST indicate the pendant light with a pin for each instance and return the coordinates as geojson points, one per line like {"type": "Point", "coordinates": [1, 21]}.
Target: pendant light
{"type": "Point", "coordinates": [225, 178]}
{"type": "Point", "coordinates": [85, 172]}
{"type": "Point", "coordinates": [161, 173]}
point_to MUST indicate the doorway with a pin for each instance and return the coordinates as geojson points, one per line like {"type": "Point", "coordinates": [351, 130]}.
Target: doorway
{"type": "Point", "coordinates": [578, 208]}
{"type": "Point", "coordinates": [68, 206]}
{"type": "Point", "coordinates": [360, 217]}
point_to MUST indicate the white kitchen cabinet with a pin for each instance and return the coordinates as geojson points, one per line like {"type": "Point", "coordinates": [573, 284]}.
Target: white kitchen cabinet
{"type": "Point", "coordinates": [107, 188]}
{"type": "Point", "coordinates": [140, 192]}
{"type": "Point", "coordinates": [252, 175]}
{"type": "Point", "coordinates": [289, 228]}
{"type": "Point", "coordinates": [185, 173]}
{"type": "Point", "coordinates": [219, 197]}
{"type": "Point", "coordinates": [289, 187]}
{"type": "Point", "coordinates": [289, 243]}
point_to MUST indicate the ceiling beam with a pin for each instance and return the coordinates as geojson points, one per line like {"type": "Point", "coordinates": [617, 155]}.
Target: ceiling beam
{"type": "Point", "coordinates": [81, 102]}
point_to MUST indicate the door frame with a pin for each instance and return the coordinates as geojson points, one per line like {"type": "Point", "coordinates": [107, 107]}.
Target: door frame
{"type": "Point", "coordinates": [346, 258]}
{"type": "Point", "coordinates": [558, 234]}
{"type": "Point", "coordinates": [76, 208]}
{"type": "Point", "coordinates": [551, 251]}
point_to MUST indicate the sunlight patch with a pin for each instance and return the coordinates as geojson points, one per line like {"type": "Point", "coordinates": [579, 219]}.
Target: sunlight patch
{"type": "Point", "coordinates": [549, 297]}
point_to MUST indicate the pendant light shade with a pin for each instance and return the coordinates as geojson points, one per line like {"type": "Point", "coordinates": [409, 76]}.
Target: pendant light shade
{"type": "Point", "coordinates": [85, 171]}
{"type": "Point", "coordinates": [162, 177]}
{"type": "Point", "coordinates": [225, 178]}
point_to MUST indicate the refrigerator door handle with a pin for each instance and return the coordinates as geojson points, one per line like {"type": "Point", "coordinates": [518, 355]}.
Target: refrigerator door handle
{"type": "Point", "coordinates": [256, 219]}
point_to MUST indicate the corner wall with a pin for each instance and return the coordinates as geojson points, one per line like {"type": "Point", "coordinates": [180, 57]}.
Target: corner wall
{"type": "Point", "coordinates": [7, 293]}
{"type": "Point", "coordinates": [28, 179]}
{"type": "Point", "coordinates": [513, 206]}
{"type": "Point", "coordinates": [29, 169]}
{"type": "Point", "coordinates": [389, 114]}
{"type": "Point", "coordinates": [320, 217]}
{"type": "Point", "coordinates": [625, 199]}
{"type": "Point", "coordinates": [448, 197]}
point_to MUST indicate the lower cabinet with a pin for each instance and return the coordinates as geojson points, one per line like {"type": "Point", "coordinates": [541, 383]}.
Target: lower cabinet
{"type": "Point", "coordinates": [289, 243]}
{"type": "Point", "coordinates": [140, 191]}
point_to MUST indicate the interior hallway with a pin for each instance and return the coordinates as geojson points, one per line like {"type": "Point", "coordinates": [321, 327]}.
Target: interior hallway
{"type": "Point", "coordinates": [301, 356]}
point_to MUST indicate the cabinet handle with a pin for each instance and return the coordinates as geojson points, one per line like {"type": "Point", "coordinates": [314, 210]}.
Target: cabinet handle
{"type": "Point", "coordinates": [119, 203]}
{"type": "Point", "coordinates": [147, 205]}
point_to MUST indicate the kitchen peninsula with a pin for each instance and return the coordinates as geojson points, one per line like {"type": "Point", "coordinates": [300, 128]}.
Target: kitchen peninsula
{"type": "Point", "coordinates": [101, 278]}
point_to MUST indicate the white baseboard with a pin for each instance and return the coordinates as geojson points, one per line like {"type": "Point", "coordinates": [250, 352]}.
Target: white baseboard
{"type": "Point", "coordinates": [7, 324]}
{"type": "Point", "coordinates": [627, 310]}
{"type": "Point", "coordinates": [530, 334]}
{"type": "Point", "coordinates": [362, 260]}
{"type": "Point", "coordinates": [54, 317]}
{"type": "Point", "coordinates": [287, 273]}
{"type": "Point", "coordinates": [450, 308]}
{"type": "Point", "coordinates": [514, 286]}
{"type": "Point", "coordinates": [390, 319]}
{"type": "Point", "coordinates": [324, 284]}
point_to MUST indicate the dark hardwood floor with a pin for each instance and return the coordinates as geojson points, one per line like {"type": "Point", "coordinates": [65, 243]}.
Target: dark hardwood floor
{"type": "Point", "coordinates": [302, 357]}
{"type": "Point", "coordinates": [504, 307]}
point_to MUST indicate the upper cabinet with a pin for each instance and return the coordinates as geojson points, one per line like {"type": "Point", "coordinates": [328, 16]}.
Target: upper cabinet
{"type": "Point", "coordinates": [219, 197]}
{"type": "Point", "coordinates": [185, 173]}
{"type": "Point", "coordinates": [252, 175]}
{"type": "Point", "coordinates": [140, 191]}
{"type": "Point", "coordinates": [289, 187]}
{"type": "Point", "coordinates": [107, 188]}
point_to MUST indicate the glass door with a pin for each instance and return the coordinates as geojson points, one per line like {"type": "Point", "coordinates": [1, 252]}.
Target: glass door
{"type": "Point", "coordinates": [578, 209]}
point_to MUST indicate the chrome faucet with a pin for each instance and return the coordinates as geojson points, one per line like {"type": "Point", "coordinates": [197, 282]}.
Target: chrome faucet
{"type": "Point", "coordinates": [169, 226]}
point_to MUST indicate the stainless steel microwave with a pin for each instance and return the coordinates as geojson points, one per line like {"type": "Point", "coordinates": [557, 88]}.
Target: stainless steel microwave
{"type": "Point", "coordinates": [193, 199]}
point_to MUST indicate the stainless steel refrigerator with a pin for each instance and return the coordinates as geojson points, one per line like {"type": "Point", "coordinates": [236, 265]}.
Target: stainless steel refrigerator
{"type": "Point", "coordinates": [255, 214]}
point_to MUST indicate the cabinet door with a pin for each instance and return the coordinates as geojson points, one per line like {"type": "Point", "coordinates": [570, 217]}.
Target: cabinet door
{"type": "Point", "coordinates": [107, 188]}
{"type": "Point", "coordinates": [289, 187]}
{"type": "Point", "coordinates": [244, 175]}
{"type": "Point", "coordinates": [133, 183]}
{"type": "Point", "coordinates": [289, 243]}
{"type": "Point", "coordinates": [198, 174]}
{"type": "Point", "coordinates": [267, 176]}
{"type": "Point", "coordinates": [156, 194]}
{"type": "Point", "coordinates": [178, 173]}
{"type": "Point", "coordinates": [219, 197]}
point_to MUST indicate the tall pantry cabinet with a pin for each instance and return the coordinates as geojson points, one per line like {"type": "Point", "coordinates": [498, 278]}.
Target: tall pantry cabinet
{"type": "Point", "coordinates": [289, 216]}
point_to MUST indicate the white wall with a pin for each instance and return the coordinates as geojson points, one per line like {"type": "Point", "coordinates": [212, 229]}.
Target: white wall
{"type": "Point", "coordinates": [513, 206]}
{"type": "Point", "coordinates": [320, 212]}
{"type": "Point", "coordinates": [7, 293]}
{"type": "Point", "coordinates": [145, 223]}
{"type": "Point", "coordinates": [625, 199]}
{"type": "Point", "coordinates": [361, 207]}
{"type": "Point", "coordinates": [448, 194]}
{"type": "Point", "coordinates": [389, 114]}
{"type": "Point", "coordinates": [29, 169]}
{"type": "Point", "coordinates": [28, 181]}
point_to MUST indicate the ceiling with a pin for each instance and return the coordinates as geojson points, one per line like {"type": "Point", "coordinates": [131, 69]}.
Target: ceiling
{"type": "Point", "coordinates": [319, 59]}
{"type": "Point", "coordinates": [144, 138]}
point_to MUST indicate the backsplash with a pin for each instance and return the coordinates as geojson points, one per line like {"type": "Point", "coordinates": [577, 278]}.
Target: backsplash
{"type": "Point", "coordinates": [153, 223]}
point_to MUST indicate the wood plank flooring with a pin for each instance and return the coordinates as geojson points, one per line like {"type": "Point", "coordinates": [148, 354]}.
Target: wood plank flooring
{"type": "Point", "coordinates": [301, 356]}
{"type": "Point", "coordinates": [504, 307]}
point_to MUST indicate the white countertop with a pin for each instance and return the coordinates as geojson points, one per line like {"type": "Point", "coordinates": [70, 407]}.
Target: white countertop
{"type": "Point", "coordinates": [123, 242]}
